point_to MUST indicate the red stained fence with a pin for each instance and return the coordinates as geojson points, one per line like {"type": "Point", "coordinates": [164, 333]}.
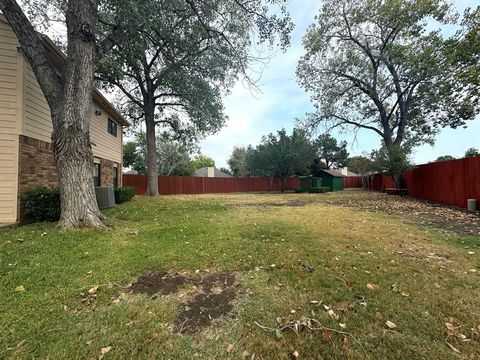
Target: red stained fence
{"type": "Point", "coordinates": [170, 185]}
{"type": "Point", "coordinates": [446, 182]}
{"type": "Point", "coordinates": [352, 182]}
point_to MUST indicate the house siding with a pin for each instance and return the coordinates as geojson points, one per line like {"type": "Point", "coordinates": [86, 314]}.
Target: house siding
{"type": "Point", "coordinates": [38, 123]}
{"type": "Point", "coordinates": [10, 112]}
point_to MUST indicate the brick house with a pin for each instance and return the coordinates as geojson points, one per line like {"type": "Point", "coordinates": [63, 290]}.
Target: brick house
{"type": "Point", "coordinates": [26, 158]}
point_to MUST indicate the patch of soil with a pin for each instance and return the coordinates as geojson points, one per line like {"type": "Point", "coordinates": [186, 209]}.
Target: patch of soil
{"type": "Point", "coordinates": [214, 296]}
{"type": "Point", "coordinates": [158, 283]}
{"type": "Point", "coordinates": [414, 211]}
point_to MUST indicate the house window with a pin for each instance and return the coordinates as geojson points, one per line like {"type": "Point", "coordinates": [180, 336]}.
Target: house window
{"type": "Point", "coordinates": [112, 127]}
{"type": "Point", "coordinates": [115, 176]}
{"type": "Point", "coordinates": [96, 174]}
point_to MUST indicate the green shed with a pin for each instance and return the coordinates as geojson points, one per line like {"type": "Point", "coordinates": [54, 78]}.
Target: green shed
{"type": "Point", "coordinates": [331, 178]}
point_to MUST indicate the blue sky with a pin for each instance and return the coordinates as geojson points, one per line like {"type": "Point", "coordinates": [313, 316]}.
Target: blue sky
{"type": "Point", "coordinates": [281, 100]}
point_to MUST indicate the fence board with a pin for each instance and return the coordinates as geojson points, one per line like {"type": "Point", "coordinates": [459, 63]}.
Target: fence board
{"type": "Point", "coordinates": [447, 182]}
{"type": "Point", "coordinates": [174, 185]}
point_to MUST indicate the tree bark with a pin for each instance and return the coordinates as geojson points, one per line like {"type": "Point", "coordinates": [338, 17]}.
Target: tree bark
{"type": "Point", "coordinates": [152, 162]}
{"type": "Point", "coordinates": [69, 98]}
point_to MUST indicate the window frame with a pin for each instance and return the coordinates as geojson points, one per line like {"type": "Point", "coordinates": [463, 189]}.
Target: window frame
{"type": "Point", "coordinates": [97, 180]}
{"type": "Point", "coordinates": [115, 176]}
{"type": "Point", "coordinates": [112, 127]}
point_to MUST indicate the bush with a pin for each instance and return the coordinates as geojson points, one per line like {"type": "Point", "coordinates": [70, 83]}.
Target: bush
{"type": "Point", "coordinates": [123, 194]}
{"type": "Point", "coordinates": [42, 203]}
{"type": "Point", "coordinates": [301, 190]}
{"type": "Point", "coordinates": [322, 189]}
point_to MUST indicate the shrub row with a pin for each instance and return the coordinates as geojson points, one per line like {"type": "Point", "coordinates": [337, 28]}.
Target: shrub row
{"type": "Point", "coordinates": [123, 194]}
{"type": "Point", "coordinates": [322, 189]}
{"type": "Point", "coordinates": [43, 204]}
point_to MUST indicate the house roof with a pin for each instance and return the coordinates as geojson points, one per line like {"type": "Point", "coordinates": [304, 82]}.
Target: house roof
{"type": "Point", "coordinates": [57, 59]}
{"type": "Point", "coordinates": [203, 172]}
{"type": "Point", "coordinates": [334, 173]}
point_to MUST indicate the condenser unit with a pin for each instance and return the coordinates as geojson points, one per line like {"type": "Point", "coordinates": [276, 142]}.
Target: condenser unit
{"type": "Point", "coordinates": [105, 197]}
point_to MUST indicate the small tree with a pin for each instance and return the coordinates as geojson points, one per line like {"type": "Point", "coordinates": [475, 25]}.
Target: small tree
{"type": "Point", "coordinates": [472, 152]}
{"type": "Point", "coordinates": [238, 161]}
{"type": "Point", "coordinates": [172, 156]}
{"type": "Point", "coordinates": [330, 153]}
{"type": "Point", "coordinates": [364, 166]}
{"type": "Point", "coordinates": [445, 158]}
{"type": "Point", "coordinates": [392, 160]}
{"type": "Point", "coordinates": [281, 156]}
{"type": "Point", "coordinates": [201, 161]}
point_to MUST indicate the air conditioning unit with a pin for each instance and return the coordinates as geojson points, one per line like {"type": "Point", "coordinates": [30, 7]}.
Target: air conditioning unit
{"type": "Point", "coordinates": [105, 197]}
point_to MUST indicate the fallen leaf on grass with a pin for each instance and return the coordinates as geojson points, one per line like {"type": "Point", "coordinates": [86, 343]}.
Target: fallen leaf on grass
{"type": "Point", "coordinates": [20, 288]}
{"type": "Point", "coordinates": [230, 348]}
{"type": "Point", "coordinates": [371, 286]}
{"type": "Point", "coordinates": [390, 324]}
{"type": "Point", "coordinates": [451, 327]}
{"type": "Point", "coordinates": [94, 289]}
{"type": "Point", "coordinates": [452, 347]}
{"type": "Point", "coordinates": [105, 350]}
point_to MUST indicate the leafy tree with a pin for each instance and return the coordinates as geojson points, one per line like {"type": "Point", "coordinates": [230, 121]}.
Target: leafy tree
{"type": "Point", "coordinates": [375, 65]}
{"type": "Point", "coordinates": [130, 156]}
{"type": "Point", "coordinates": [172, 156]}
{"type": "Point", "coordinates": [392, 160]}
{"type": "Point", "coordinates": [281, 155]}
{"type": "Point", "coordinates": [68, 94]}
{"type": "Point", "coordinates": [238, 161]}
{"type": "Point", "coordinates": [329, 153]}
{"type": "Point", "coordinates": [366, 167]}
{"type": "Point", "coordinates": [172, 60]}
{"type": "Point", "coordinates": [200, 161]}
{"type": "Point", "coordinates": [359, 164]}
{"type": "Point", "coordinates": [445, 158]}
{"type": "Point", "coordinates": [472, 152]}
{"type": "Point", "coordinates": [463, 53]}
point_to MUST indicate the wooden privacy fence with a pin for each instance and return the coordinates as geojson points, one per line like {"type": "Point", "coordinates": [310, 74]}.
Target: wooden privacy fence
{"type": "Point", "coordinates": [352, 182]}
{"type": "Point", "coordinates": [171, 185]}
{"type": "Point", "coordinates": [447, 182]}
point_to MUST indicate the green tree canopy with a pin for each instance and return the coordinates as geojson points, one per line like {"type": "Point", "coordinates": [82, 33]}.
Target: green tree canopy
{"type": "Point", "coordinates": [472, 152]}
{"type": "Point", "coordinates": [281, 155]}
{"type": "Point", "coordinates": [378, 65]}
{"type": "Point", "coordinates": [238, 161]}
{"type": "Point", "coordinates": [445, 158]}
{"type": "Point", "coordinates": [200, 161]}
{"type": "Point", "coordinates": [172, 156]}
{"type": "Point", "coordinates": [172, 60]}
{"type": "Point", "coordinates": [329, 153]}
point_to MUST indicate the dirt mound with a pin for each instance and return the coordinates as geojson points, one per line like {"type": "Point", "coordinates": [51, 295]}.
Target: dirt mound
{"type": "Point", "coordinates": [213, 297]}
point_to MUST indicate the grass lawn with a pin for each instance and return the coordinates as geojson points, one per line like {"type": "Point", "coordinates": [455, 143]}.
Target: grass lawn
{"type": "Point", "coordinates": [293, 257]}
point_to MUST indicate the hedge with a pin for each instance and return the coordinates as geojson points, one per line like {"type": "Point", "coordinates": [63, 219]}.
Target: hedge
{"type": "Point", "coordinates": [42, 203]}
{"type": "Point", "coordinates": [123, 194]}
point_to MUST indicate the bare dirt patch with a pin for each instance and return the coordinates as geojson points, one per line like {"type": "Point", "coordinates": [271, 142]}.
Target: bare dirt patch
{"type": "Point", "coordinates": [213, 296]}
{"type": "Point", "coordinates": [414, 211]}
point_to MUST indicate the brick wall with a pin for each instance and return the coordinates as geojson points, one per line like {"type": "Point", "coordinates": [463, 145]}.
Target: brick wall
{"type": "Point", "coordinates": [106, 172]}
{"type": "Point", "coordinates": [36, 165]}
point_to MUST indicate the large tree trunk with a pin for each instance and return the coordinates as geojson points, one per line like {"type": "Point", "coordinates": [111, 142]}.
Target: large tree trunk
{"type": "Point", "coordinates": [69, 99]}
{"type": "Point", "coordinates": [71, 133]}
{"type": "Point", "coordinates": [152, 163]}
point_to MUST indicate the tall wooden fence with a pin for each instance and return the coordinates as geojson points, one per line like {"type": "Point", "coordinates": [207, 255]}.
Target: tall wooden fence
{"type": "Point", "coordinates": [171, 185]}
{"type": "Point", "coordinates": [447, 182]}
